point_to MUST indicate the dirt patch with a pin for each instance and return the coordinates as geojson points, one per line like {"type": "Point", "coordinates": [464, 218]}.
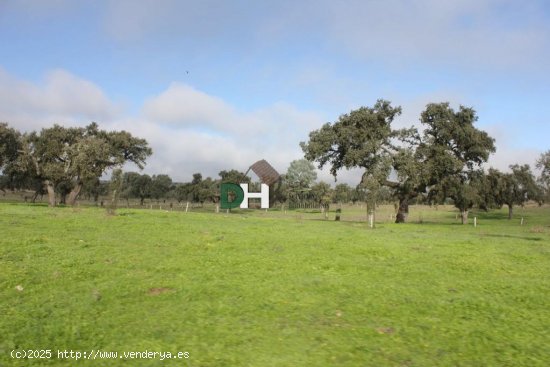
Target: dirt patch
{"type": "Point", "coordinates": [385, 330]}
{"type": "Point", "coordinates": [157, 291]}
{"type": "Point", "coordinates": [537, 229]}
{"type": "Point", "coordinates": [96, 295]}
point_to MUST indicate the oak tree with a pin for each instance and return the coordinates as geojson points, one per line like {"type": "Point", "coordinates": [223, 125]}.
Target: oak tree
{"type": "Point", "coordinates": [543, 164]}
{"type": "Point", "coordinates": [449, 146]}
{"type": "Point", "coordinates": [77, 154]}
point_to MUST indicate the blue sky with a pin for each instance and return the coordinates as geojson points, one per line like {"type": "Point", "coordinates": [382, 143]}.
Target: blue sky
{"type": "Point", "coordinates": [216, 85]}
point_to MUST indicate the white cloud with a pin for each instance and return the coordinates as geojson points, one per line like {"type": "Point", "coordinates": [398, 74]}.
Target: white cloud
{"type": "Point", "coordinates": [469, 32]}
{"type": "Point", "coordinates": [180, 152]}
{"type": "Point", "coordinates": [505, 156]}
{"type": "Point", "coordinates": [507, 151]}
{"type": "Point", "coordinates": [60, 98]}
{"type": "Point", "coordinates": [183, 105]}
{"type": "Point", "coordinates": [190, 130]}
{"type": "Point", "coordinates": [490, 33]}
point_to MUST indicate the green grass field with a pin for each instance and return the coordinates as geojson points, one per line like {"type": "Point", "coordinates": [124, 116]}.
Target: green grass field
{"type": "Point", "coordinates": [275, 289]}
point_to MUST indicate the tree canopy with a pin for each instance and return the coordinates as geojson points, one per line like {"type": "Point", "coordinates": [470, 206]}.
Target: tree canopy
{"type": "Point", "coordinates": [9, 145]}
{"type": "Point", "coordinates": [515, 188]}
{"type": "Point", "coordinates": [300, 174]}
{"type": "Point", "coordinates": [449, 146]}
{"type": "Point", "coordinates": [73, 155]}
{"type": "Point", "coordinates": [543, 164]}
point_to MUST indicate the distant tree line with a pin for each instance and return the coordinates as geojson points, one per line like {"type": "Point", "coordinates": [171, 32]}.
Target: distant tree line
{"type": "Point", "coordinates": [289, 189]}
{"type": "Point", "coordinates": [162, 187]}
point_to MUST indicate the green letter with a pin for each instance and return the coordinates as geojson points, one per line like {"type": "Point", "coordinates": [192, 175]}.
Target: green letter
{"type": "Point", "coordinates": [238, 195]}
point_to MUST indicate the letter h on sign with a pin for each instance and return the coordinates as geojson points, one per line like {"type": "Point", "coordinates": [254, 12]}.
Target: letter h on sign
{"type": "Point", "coordinates": [241, 195]}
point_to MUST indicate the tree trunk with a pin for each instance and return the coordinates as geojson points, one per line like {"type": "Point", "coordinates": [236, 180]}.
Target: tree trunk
{"type": "Point", "coordinates": [464, 216]}
{"type": "Point", "coordinates": [74, 194]}
{"type": "Point", "coordinates": [371, 209]}
{"type": "Point", "coordinates": [402, 211]}
{"type": "Point", "coordinates": [510, 211]}
{"type": "Point", "coordinates": [51, 192]}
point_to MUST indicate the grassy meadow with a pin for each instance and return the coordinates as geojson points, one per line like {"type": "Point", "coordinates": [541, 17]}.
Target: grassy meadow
{"type": "Point", "coordinates": [251, 288]}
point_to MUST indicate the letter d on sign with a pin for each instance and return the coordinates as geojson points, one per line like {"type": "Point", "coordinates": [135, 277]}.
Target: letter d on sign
{"type": "Point", "coordinates": [225, 189]}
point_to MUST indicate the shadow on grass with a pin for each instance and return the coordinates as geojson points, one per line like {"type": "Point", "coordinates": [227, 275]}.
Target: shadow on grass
{"type": "Point", "coordinates": [497, 215]}
{"type": "Point", "coordinates": [511, 236]}
{"type": "Point", "coordinates": [14, 203]}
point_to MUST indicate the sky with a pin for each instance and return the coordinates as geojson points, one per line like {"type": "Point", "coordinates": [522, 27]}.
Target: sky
{"type": "Point", "coordinates": [217, 85]}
